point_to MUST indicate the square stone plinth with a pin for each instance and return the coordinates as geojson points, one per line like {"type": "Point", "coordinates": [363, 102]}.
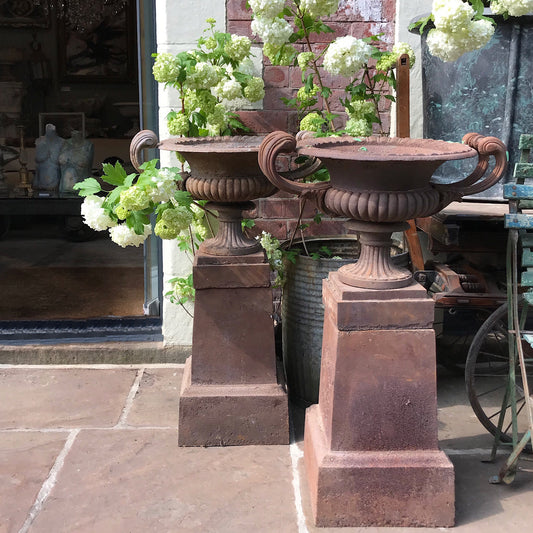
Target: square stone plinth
{"type": "Point", "coordinates": [370, 446]}
{"type": "Point", "coordinates": [231, 415]}
{"type": "Point", "coordinates": [400, 488]}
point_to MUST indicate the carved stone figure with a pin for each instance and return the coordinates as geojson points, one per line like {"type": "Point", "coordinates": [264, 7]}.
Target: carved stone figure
{"type": "Point", "coordinates": [47, 149]}
{"type": "Point", "coordinates": [75, 161]}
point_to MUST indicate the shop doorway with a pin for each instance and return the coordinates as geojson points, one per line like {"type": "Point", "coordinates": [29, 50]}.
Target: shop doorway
{"type": "Point", "coordinates": [76, 70]}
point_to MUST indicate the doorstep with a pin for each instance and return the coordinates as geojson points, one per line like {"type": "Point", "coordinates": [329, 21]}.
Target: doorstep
{"type": "Point", "coordinates": [101, 352]}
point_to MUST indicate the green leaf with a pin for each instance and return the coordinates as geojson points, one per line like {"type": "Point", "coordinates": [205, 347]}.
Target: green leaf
{"type": "Point", "coordinates": [183, 198]}
{"type": "Point", "coordinates": [87, 187]}
{"type": "Point", "coordinates": [114, 175]}
{"type": "Point", "coordinates": [478, 6]}
{"type": "Point", "coordinates": [317, 219]}
{"type": "Point", "coordinates": [290, 255]}
{"type": "Point", "coordinates": [247, 223]}
{"type": "Point", "coordinates": [325, 251]}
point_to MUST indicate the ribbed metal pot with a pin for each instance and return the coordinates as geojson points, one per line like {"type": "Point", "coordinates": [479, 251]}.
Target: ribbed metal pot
{"type": "Point", "coordinates": [302, 312]}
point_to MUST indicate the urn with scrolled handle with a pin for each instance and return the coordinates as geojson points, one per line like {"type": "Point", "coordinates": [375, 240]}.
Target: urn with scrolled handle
{"type": "Point", "coordinates": [378, 183]}
{"type": "Point", "coordinates": [225, 172]}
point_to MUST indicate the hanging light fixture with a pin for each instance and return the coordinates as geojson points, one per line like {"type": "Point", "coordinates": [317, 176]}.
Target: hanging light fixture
{"type": "Point", "coordinates": [82, 15]}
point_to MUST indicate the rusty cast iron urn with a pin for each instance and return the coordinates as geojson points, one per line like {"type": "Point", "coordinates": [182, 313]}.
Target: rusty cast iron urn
{"type": "Point", "coordinates": [379, 183]}
{"type": "Point", "coordinates": [224, 171]}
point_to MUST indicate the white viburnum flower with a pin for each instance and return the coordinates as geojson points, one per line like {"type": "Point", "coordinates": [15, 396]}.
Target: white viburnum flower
{"type": "Point", "coordinates": [94, 215]}
{"type": "Point", "coordinates": [203, 76]}
{"type": "Point", "coordinates": [267, 9]}
{"type": "Point", "coordinates": [444, 46]}
{"type": "Point", "coordinates": [228, 90]}
{"type": "Point", "coordinates": [165, 68]}
{"type": "Point", "coordinates": [320, 8]}
{"type": "Point", "coordinates": [275, 32]}
{"type": "Point", "coordinates": [238, 47]}
{"type": "Point", "coordinates": [451, 15]}
{"type": "Point", "coordinates": [346, 56]}
{"type": "Point", "coordinates": [515, 8]}
{"type": "Point", "coordinates": [163, 186]}
{"type": "Point", "coordinates": [479, 33]}
{"type": "Point", "coordinates": [125, 236]}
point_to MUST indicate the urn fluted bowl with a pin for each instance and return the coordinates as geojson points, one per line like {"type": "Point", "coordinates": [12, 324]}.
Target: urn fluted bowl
{"type": "Point", "coordinates": [224, 171]}
{"type": "Point", "coordinates": [379, 183]}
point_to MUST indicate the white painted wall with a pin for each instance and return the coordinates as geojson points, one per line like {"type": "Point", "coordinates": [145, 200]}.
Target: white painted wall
{"type": "Point", "coordinates": [179, 24]}
{"type": "Point", "coordinates": [406, 12]}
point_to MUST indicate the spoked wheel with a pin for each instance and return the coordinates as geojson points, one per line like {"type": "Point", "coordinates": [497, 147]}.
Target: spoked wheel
{"type": "Point", "coordinates": [486, 375]}
{"type": "Point", "coordinates": [455, 329]}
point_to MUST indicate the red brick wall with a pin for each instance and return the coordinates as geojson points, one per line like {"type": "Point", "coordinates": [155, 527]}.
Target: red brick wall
{"type": "Point", "coordinates": [279, 214]}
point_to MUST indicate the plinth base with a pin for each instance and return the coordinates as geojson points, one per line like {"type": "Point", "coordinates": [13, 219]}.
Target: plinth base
{"type": "Point", "coordinates": [376, 488]}
{"type": "Point", "coordinates": [231, 415]}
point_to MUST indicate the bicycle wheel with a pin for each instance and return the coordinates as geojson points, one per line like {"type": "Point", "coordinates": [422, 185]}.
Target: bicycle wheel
{"type": "Point", "coordinates": [486, 376]}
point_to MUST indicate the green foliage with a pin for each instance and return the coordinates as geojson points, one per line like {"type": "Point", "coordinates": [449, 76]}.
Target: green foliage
{"type": "Point", "coordinates": [88, 187]}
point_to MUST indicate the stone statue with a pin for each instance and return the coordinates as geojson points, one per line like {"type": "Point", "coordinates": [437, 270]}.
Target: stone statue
{"type": "Point", "coordinates": [47, 150]}
{"type": "Point", "coordinates": [75, 161]}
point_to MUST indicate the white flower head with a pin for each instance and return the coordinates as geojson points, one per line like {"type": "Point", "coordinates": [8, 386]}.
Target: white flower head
{"type": "Point", "coordinates": [515, 8]}
{"type": "Point", "coordinates": [94, 215]}
{"type": "Point", "coordinates": [163, 186]}
{"type": "Point", "coordinates": [228, 90]}
{"type": "Point", "coordinates": [320, 8]}
{"type": "Point", "coordinates": [272, 31]}
{"type": "Point", "coordinates": [346, 56]}
{"type": "Point", "coordinates": [452, 15]}
{"type": "Point", "coordinates": [203, 76]}
{"type": "Point", "coordinates": [125, 236]}
{"type": "Point", "coordinates": [267, 9]}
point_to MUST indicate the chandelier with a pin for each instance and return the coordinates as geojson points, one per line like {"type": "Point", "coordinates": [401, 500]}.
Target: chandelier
{"type": "Point", "coordinates": [82, 15]}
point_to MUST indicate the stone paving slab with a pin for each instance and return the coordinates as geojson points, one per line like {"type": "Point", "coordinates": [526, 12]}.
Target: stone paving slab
{"type": "Point", "coordinates": [63, 398]}
{"type": "Point", "coordinates": [25, 461]}
{"type": "Point", "coordinates": [156, 402]}
{"type": "Point", "coordinates": [140, 481]}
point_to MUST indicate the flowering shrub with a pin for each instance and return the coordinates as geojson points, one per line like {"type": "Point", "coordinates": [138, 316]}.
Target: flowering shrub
{"type": "Point", "coordinates": [211, 81]}
{"type": "Point", "coordinates": [280, 24]}
{"type": "Point", "coordinates": [461, 27]}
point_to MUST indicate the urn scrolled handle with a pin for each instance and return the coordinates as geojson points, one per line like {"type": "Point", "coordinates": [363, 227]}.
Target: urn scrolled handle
{"type": "Point", "coordinates": [279, 142]}
{"type": "Point", "coordinates": [473, 184]}
{"type": "Point", "coordinates": [143, 139]}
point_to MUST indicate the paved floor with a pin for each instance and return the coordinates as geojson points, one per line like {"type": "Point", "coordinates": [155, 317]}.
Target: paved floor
{"type": "Point", "coordinates": [94, 449]}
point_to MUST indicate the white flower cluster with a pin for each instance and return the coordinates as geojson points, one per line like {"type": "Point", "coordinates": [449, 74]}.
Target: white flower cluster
{"type": "Point", "coordinates": [320, 8]}
{"type": "Point", "coordinates": [275, 32]}
{"type": "Point", "coordinates": [125, 236]}
{"type": "Point", "coordinates": [271, 245]}
{"type": "Point", "coordinates": [346, 56]}
{"type": "Point", "coordinates": [202, 76]}
{"type": "Point", "coordinates": [228, 90]}
{"type": "Point", "coordinates": [455, 32]}
{"type": "Point", "coordinates": [267, 9]}
{"type": "Point", "coordinates": [238, 47]}
{"type": "Point", "coordinates": [94, 214]}
{"type": "Point", "coordinates": [515, 8]}
{"type": "Point", "coordinates": [165, 68]}
{"type": "Point", "coordinates": [163, 186]}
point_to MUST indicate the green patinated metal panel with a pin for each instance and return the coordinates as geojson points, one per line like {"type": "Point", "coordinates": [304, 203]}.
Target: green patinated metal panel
{"type": "Point", "coordinates": [523, 171]}
{"type": "Point", "coordinates": [527, 240]}
{"type": "Point", "coordinates": [527, 278]}
{"type": "Point", "coordinates": [526, 142]}
{"type": "Point", "coordinates": [489, 91]}
{"type": "Point", "coordinates": [527, 257]}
